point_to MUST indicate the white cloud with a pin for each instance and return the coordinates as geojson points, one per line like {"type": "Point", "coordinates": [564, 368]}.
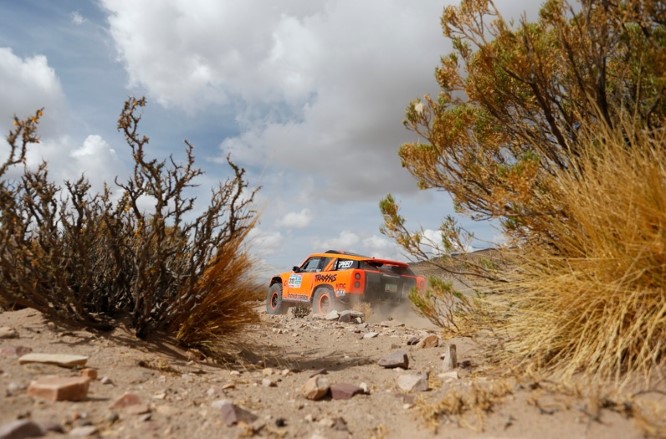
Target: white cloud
{"type": "Point", "coordinates": [27, 84]}
{"type": "Point", "coordinates": [345, 241]}
{"type": "Point", "coordinates": [265, 243]}
{"type": "Point", "coordinates": [77, 18]}
{"type": "Point", "coordinates": [297, 220]}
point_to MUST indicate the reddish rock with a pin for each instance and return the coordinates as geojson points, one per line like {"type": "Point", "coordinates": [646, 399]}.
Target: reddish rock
{"type": "Point", "coordinates": [316, 388]}
{"type": "Point", "coordinates": [125, 400]}
{"type": "Point", "coordinates": [56, 388]}
{"type": "Point", "coordinates": [345, 391]}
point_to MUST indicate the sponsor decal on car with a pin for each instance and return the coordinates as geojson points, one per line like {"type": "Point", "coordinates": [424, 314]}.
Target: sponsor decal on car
{"type": "Point", "coordinates": [295, 281]}
{"type": "Point", "coordinates": [326, 277]}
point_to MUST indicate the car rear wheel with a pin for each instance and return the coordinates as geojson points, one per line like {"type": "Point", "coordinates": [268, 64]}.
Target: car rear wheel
{"type": "Point", "coordinates": [274, 299]}
{"type": "Point", "coordinates": [323, 301]}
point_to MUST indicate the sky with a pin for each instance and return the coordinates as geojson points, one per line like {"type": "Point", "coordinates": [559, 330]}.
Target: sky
{"type": "Point", "coordinates": [307, 96]}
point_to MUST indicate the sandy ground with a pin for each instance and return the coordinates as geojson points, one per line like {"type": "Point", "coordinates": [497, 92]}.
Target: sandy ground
{"type": "Point", "coordinates": [180, 393]}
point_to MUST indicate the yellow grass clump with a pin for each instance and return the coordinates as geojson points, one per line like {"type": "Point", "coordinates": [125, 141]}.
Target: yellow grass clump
{"type": "Point", "coordinates": [228, 293]}
{"type": "Point", "coordinates": [591, 292]}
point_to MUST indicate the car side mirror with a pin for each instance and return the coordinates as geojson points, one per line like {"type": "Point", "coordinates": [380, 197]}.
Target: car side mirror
{"type": "Point", "coordinates": [296, 269]}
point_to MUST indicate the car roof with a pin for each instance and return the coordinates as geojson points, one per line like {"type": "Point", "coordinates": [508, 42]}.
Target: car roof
{"type": "Point", "coordinates": [358, 257]}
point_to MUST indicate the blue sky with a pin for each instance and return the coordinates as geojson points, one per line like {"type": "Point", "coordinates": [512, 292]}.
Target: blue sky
{"type": "Point", "coordinates": [308, 96]}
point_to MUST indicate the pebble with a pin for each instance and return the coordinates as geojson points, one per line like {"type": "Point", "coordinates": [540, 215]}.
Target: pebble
{"type": "Point", "coordinates": [395, 359]}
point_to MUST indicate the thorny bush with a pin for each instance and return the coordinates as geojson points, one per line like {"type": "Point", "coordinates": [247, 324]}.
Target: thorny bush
{"type": "Point", "coordinates": [96, 259]}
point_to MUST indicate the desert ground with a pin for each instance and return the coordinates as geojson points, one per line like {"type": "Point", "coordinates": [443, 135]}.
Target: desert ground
{"type": "Point", "coordinates": [283, 387]}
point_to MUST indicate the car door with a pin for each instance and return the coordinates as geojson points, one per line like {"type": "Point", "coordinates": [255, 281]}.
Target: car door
{"type": "Point", "coordinates": [299, 284]}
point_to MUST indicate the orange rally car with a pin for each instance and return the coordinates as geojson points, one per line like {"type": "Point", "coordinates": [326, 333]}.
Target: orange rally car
{"type": "Point", "coordinates": [335, 279]}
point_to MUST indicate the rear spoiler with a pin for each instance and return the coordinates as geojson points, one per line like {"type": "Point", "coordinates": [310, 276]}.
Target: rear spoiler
{"type": "Point", "coordinates": [387, 262]}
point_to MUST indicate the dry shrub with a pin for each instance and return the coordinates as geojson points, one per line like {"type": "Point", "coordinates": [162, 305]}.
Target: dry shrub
{"type": "Point", "coordinates": [100, 259]}
{"type": "Point", "coordinates": [224, 309]}
{"type": "Point", "coordinates": [590, 292]}
{"type": "Point", "coordinates": [467, 407]}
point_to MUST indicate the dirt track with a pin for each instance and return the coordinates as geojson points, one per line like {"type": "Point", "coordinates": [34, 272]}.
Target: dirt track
{"type": "Point", "coordinates": [179, 394]}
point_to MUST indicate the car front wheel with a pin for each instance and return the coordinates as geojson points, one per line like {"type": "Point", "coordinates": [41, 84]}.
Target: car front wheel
{"type": "Point", "coordinates": [274, 299]}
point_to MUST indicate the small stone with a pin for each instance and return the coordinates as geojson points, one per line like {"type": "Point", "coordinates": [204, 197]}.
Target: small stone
{"type": "Point", "coordinates": [395, 359]}
{"type": "Point", "coordinates": [7, 332]}
{"type": "Point", "coordinates": [316, 388]}
{"type": "Point", "coordinates": [413, 382]}
{"type": "Point", "coordinates": [267, 371]}
{"type": "Point", "coordinates": [430, 341]}
{"type": "Point", "coordinates": [451, 360]}
{"type": "Point", "coordinates": [365, 388]}
{"type": "Point", "coordinates": [280, 422]}
{"type": "Point", "coordinates": [267, 382]}
{"type": "Point", "coordinates": [22, 428]}
{"type": "Point", "coordinates": [345, 390]}
{"type": "Point", "coordinates": [62, 360]}
{"type": "Point", "coordinates": [55, 388]}
{"type": "Point", "coordinates": [326, 422]}
{"type": "Point", "coordinates": [89, 373]}
{"type": "Point", "coordinates": [465, 364]}
{"type": "Point", "coordinates": [106, 380]}
{"type": "Point", "coordinates": [232, 414]}
{"type": "Point", "coordinates": [413, 340]}
{"type": "Point", "coordinates": [368, 335]}
{"type": "Point", "coordinates": [125, 400]}
{"type": "Point", "coordinates": [332, 315]}
{"type": "Point", "coordinates": [88, 430]}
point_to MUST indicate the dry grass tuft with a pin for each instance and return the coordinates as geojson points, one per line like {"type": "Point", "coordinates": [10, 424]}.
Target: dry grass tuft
{"type": "Point", "coordinates": [228, 293]}
{"type": "Point", "coordinates": [591, 293]}
{"type": "Point", "coordinates": [465, 407]}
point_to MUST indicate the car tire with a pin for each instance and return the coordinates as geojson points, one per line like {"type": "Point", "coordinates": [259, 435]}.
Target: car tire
{"type": "Point", "coordinates": [274, 299]}
{"type": "Point", "coordinates": [324, 301]}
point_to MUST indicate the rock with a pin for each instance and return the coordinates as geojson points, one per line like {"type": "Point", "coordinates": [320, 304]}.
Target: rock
{"type": "Point", "coordinates": [316, 388]}
{"type": "Point", "coordinates": [413, 340]}
{"type": "Point", "coordinates": [465, 364]}
{"type": "Point", "coordinates": [7, 332]}
{"type": "Point", "coordinates": [368, 335]}
{"type": "Point", "coordinates": [267, 371]}
{"type": "Point", "coordinates": [345, 316]}
{"type": "Point", "coordinates": [332, 315]}
{"type": "Point", "coordinates": [267, 382]}
{"type": "Point", "coordinates": [125, 400]}
{"type": "Point", "coordinates": [87, 430]}
{"type": "Point", "coordinates": [62, 360]}
{"type": "Point", "coordinates": [395, 359]}
{"type": "Point", "coordinates": [106, 380]}
{"type": "Point", "coordinates": [413, 382]}
{"type": "Point", "coordinates": [56, 388]}
{"type": "Point", "coordinates": [451, 360]}
{"type": "Point", "coordinates": [345, 391]}
{"type": "Point", "coordinates": [232, 414]}
{"type": "Point", "coordinates": [430, 341]}
{"type": "Point", "coordinates": [20, 429]}
{"type": "Point", "coordinates": [89, 373]}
